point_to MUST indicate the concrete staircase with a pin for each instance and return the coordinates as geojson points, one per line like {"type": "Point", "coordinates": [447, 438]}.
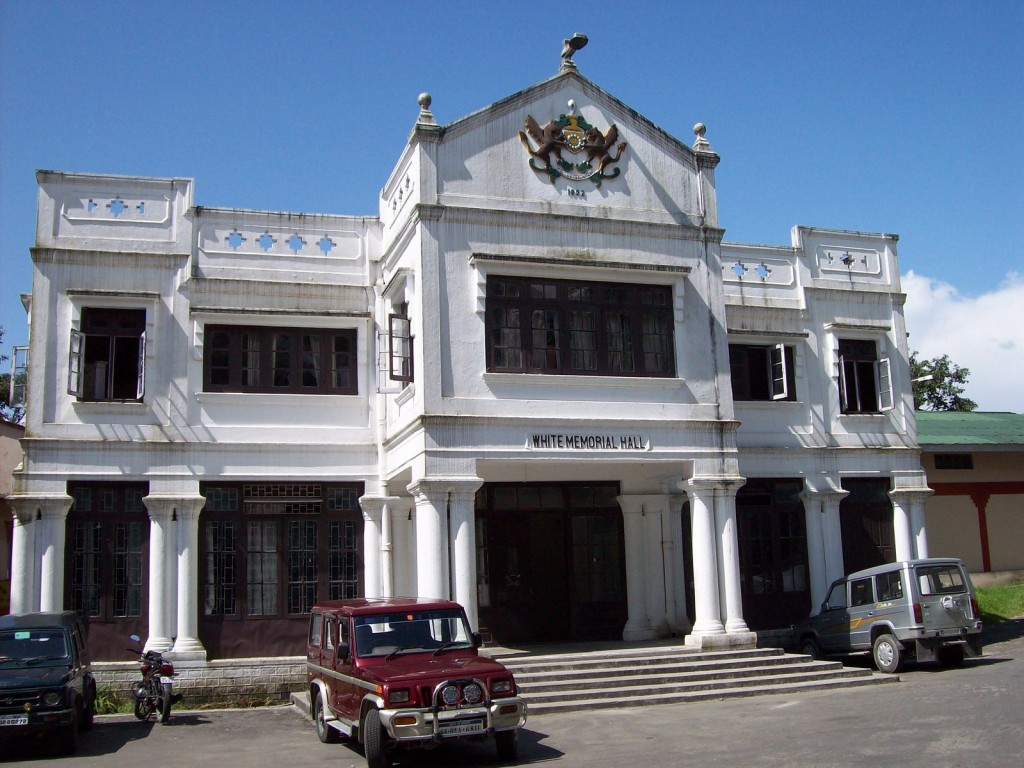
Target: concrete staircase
{"type": "Point", "coordinates": [553, 681]}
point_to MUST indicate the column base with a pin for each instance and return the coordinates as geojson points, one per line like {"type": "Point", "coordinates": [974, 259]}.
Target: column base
{"type": "Point", "coordinates": [635, 634]}
{"type": "Point", "coordinates": [159, 644]}
{"type": "Point", "coordinates": [721, 641]}
{"type": "Point", "coordinates": [188, 649]}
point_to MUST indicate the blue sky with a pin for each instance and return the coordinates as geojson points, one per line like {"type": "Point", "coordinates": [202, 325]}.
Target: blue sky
{"type": "Point", "coordinates": [898, 117]}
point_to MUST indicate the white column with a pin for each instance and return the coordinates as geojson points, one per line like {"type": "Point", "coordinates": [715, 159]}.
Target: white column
{"type": "Point", "coordinates": [372, 507]}
{"type": "Point", "coordinates": [387, 573]}
{"type": "Point", "coordinates": [51, 537]}
{"type": "Point", "coordinates": [24, 598]}
{"type": "Point", "coordinates": [902, 541]}
{"type": "Point", "coordinates": [909, 522]}
{"type": "Point", "coordinates": [729, 555]}
{"type": "Point", "coordinates": [651, 514]}
{"type": "Point", "coordinates": [705, 566]}
{"type": "Point", "coordinates": [162, 550]}
{"type": "Point", "coordinates": [638, 625]}
{"type": "Point", "coordinates": [462, 532]}
{"type": "Point", "coordinates": [187, 645]}
{"type": "Point", "coordinates": [815, 546]}
{"type": "Point", "coordinates": [403, 545]}
{"type": "Point", "coordinates": [431, 538]}
{"type": "Point", "coordinates": [832, 535]}
{"type": "Point", "coordinates": [675, 554]}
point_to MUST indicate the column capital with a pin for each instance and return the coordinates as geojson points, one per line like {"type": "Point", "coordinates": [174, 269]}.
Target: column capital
{"type": "Point", "coordinates": [910, 495]}
{"type": "Point", "coordinates": [830, 494]}
{"type": "Point", "coordinates": [373, 506]}
{"type": "Point", "coordinates": [180, 507]}
{"type": "Point", "coordinates": [643, 503]}
{"type": "Point", "coordinates": [40, 507]}
{"type": "Point", "coordinates": [729, 483]}
{"type": "Point", "coordinates": [437, 486]}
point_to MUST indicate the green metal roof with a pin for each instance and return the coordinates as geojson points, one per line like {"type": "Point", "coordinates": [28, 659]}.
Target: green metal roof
{"type": "Point", "coordinates": [970, 428]}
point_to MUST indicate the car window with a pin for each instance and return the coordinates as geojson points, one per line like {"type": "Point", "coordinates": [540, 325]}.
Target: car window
{"type": "Point", "coordinates": [940, 579]}
{"type": "Point", "coordinates": [316, 625]}
{"type": "Point", "coordinates": [837, 597]}
{"type": "Point", "coordinates": [25, 644]}
{"type": "Point", "coordinates": [861, 592]}
{"type": "Point", "coordinates": [330, 636]}
{"type": "Point", "coordinates": [889, 585]}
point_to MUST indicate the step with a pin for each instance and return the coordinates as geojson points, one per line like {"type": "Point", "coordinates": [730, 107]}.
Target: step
{"type": "Point", "coordinates": [684, 697]}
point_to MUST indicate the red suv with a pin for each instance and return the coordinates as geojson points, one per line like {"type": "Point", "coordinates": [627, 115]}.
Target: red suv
{"type": "Point", "coordinates": [405, 672]}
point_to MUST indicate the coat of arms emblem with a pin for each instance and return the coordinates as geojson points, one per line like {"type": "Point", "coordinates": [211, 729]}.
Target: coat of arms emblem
{"type": "Point", "coordinates": [572, 148]}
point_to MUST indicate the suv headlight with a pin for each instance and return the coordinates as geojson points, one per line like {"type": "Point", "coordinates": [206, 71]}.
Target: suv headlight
{"type": "Point", "coordinates": [501, 686]}
{"type": "Point", "coordinates": [52, 698]}
{"type": "Point", "coordinates": [399, 696]}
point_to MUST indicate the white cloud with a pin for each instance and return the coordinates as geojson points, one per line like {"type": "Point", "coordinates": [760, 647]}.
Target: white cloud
{"type": "Point", "coordinates": [983, 333]}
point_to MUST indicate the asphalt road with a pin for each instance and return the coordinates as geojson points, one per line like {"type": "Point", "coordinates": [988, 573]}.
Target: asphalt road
{"type": "Point", "coordinates": [971, 716]}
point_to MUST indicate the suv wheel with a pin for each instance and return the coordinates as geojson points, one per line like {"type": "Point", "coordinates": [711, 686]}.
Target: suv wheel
{"type": "Point", "coordinates": [374, 741]}
{"type": "Point", "coordinates": [809, 647]}
{"type": "Point", "coordinates": [887, 654]}
{"type": "Point", "coordinates": [324, 732]}
{"type": "Point", "coordinates": [69, 735]}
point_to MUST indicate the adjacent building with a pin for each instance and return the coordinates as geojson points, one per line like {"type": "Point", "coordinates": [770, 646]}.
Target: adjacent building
{"type": "Point", "coordinates": [538, 382]}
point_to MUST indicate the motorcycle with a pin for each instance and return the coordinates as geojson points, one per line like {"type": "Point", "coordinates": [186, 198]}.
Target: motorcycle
{"type": "Point", "coordinates": [154, 692]}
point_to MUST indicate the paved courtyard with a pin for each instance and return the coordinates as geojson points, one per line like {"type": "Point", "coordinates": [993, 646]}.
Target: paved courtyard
{"type": "Point", "coordinates": [960, 717]}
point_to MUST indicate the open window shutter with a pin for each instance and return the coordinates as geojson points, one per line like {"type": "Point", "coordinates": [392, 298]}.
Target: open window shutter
{"type": "Point", "coordinates": [400, 348]}
{"type": "Point", "coordinates": [884, 380]}
{"type": "Point", "coordinates": [75, 355]}
{"type": "Point", "coordinates": [384, 384]}
{"type": "Point", "coordinates": [140, 387]}
{"type": "Point", "coordinates": [843, 395]}
{"type": "Point", "coordinates": [780, 381]}
{"type": "Point", "coordinates": [19, 377]}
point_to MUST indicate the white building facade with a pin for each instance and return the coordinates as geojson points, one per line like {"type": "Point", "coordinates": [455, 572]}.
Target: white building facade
{"type": "Point", "coordinates": [538, 383]}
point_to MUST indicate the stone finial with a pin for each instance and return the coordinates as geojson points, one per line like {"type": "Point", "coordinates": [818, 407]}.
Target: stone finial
{"type": "Point", "coordinates": [426, 116]}
{"type": "Point", "coordinates": [569, 47]}
{"type": "Point", "coordinates": [701, 144]}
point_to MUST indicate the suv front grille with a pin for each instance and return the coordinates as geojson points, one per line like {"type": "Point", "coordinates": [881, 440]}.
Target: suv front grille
{"type": "Point", "coordinates": [15, 701]}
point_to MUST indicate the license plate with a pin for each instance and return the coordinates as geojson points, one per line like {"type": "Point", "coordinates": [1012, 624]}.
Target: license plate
{"type": "Point", "coordinates": [950, 632]}
{"type": "Point", "coordinates": [462, 726]}
{"type": "Point", "coordinates": [14, 720]}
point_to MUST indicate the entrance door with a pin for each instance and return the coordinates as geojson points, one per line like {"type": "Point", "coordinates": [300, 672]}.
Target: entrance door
{"type": "Point", "coordinates": [552, 562]}
{"type": "Point", "coordinates": [865, 518]}
{"type": "Point", "coordinates": [106, 557]}
{"type": "Point", "coordinates": [528, 574]}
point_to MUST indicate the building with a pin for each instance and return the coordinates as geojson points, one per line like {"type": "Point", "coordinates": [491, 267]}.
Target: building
{"type": "Point", "coordinates": [10, 458]}
{"type": "Point", "coordinates": [538, 383]}
{"type": "Point", "coordinates": [975, 465]}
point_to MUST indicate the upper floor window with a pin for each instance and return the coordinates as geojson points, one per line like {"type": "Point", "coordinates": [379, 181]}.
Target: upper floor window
{"type": "Point", "coordinates": [762, 372]}
{"type": "Point", "coordinates": [400, 345]}
{"type": "Point", "coordinates": [865, 381]}
{"type": "Point", "coordinates": [580, 328]}
{"type": "Point", "coordinates": [296, 360]}
{"type": "Point", "coordinates": [108, 355]}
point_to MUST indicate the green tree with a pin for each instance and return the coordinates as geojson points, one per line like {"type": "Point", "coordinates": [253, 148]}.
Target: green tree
{"type": "Point", "coordinates": [944, 390]}
{"type": "Point", "coordinates": [7, 411]}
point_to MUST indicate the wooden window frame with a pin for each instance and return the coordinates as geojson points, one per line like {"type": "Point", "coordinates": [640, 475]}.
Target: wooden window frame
{"type": "Point", "coordinates": [545, 322]}
{"type": "Point", "coordinates": [234, 359]}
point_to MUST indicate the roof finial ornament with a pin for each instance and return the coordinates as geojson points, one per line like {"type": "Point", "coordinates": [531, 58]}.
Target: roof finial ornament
{"type": "Point", "coordinates": [569, 47]}
{"type": "Point", "coordinates": [701, 144]}
{"type": "Point", "coordinates": [426, 116]}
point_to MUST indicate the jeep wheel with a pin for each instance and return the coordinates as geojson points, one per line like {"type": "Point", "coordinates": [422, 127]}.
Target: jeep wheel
{"type": "Point", "coordinates": [887, 654]}
{"type": "Point", "coordinates": [952, 656]}
{"type": "Point", "coordinates": [69, 734]}
{"type": "Point", "coordinates": [324, 732]}
{"type": "Point", "coordinates": [90, 710]}
{"type": "Point", "coordinates": [508, 745]}
{"type": "Point", "coordinates": [374, 741]}
{"type": "Point", "coordinates": [809, 647]}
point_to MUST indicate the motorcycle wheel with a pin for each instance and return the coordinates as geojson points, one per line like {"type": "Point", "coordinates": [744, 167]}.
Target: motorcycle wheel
{"type": "Point", "coordinates": [164, 705]}
{"type": "Point", "coordinates": [143, 709]}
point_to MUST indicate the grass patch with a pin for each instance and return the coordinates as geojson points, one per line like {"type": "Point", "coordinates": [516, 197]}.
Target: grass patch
{"type": "Point", "coordinates": [1002, 602]}
{"type": "Point", "coordinates": [111, 702]}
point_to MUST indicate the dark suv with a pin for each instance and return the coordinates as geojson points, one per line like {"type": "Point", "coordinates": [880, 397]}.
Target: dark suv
{"type": "Point", "coordinates": [46, 682]}
{"type": "Point", "coordinates": [405, 672]}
